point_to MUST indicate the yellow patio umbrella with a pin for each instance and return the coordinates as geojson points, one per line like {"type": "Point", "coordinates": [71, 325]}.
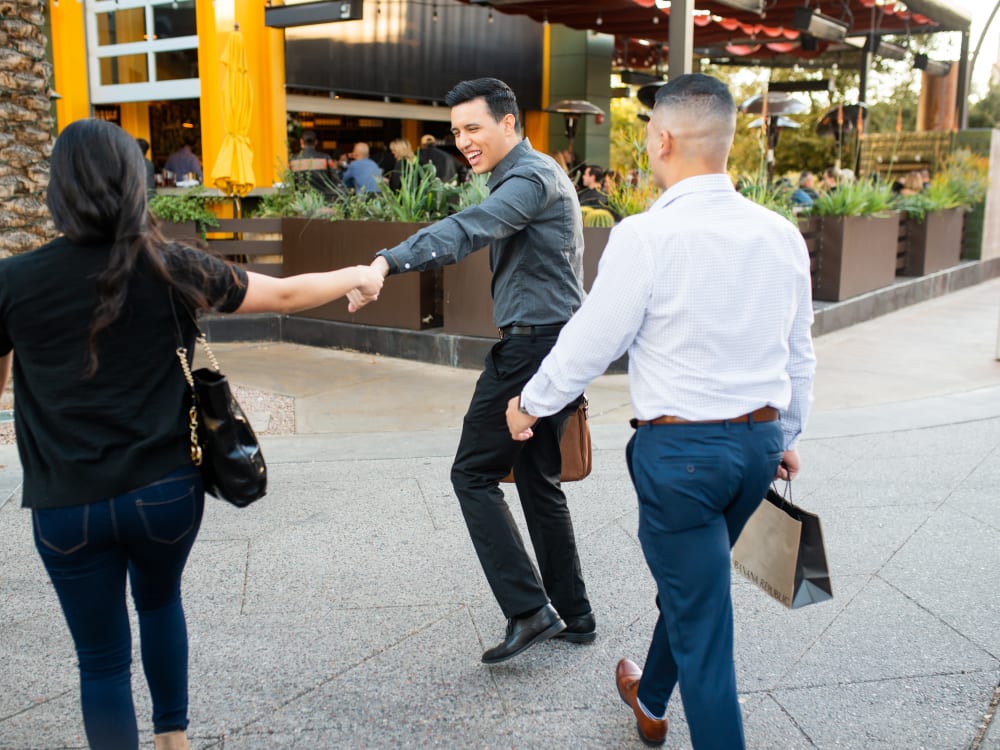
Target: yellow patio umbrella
{"type": "Point", "coordinates": [233, 170]}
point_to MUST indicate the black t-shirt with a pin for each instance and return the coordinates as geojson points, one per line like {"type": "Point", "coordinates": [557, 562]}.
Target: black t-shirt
{"type": "Point", "coordinates": [84, 439]}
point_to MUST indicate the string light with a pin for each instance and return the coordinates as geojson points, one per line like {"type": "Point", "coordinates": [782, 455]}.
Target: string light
{"type": "Point", "coordinates": [489, 18]}
{"type": "Point", "coordinates": [434, 17]}
{"type": "Point", "coordinates": [599, 20]}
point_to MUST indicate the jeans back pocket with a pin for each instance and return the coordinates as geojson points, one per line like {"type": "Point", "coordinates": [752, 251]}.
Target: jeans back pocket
{"type": "Point", "coordinates": [61, 530]}
{"type": "Point", "coordinates": [168, 517]}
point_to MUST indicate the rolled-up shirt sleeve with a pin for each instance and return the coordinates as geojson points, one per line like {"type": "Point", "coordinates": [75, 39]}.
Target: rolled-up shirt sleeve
{"type": "Point", "coordinates": [601, 331]}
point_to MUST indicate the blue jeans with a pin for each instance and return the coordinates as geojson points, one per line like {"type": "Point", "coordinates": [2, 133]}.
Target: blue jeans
{"type": "Point", "coordinates": [87, 551]}
{"type": "Point", "coordinates": [698, 484]}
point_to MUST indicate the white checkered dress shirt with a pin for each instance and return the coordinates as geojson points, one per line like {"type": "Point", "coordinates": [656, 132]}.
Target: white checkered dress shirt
{"type": "Point", "coordinates": [710, 295]}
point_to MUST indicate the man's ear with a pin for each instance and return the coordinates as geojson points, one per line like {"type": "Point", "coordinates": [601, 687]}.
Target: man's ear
{"type": "Point", "coordinates": [508, 123]}
{"type": "Point", "coordinates": [665, 145]}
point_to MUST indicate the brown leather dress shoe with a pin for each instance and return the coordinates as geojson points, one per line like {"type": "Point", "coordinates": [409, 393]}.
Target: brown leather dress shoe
{"type": "Point", "coordinates": [652, 732]}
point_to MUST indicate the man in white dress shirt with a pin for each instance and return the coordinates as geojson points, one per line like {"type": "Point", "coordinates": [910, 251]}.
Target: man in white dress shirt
{"type": "Point", "coordinates": [709, 294]}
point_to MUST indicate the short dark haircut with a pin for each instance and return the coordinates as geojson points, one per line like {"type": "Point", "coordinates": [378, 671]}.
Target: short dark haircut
{"type": "Point", "coordinates": [143, 145]}
{"type": "Point", "coordinates": [596, 172]}
{"type": "Point", "coordinates": [710, 92]}
{"type": "Point", "coordinates": [188, 137]}
{"type": "Point", "coordinates": [309, 137]}
{"type": "Point", "coordinates": [498, 95]}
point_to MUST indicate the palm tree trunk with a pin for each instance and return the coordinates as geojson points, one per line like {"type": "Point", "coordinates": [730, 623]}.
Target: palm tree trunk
{"type": "Point", "coordinates": [25, 126]}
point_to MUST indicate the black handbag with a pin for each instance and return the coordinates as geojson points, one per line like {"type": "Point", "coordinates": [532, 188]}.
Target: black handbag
{"type": "Point", "coordinates": [223, 444]}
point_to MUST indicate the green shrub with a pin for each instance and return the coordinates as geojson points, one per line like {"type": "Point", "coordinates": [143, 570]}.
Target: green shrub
{"type": "Point", "coordinates": [967, 174]}
{"type": "Point", "coordinates": [189, 205]}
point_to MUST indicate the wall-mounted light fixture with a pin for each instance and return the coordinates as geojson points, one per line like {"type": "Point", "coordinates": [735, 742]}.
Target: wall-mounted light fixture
{"type": "Point", "coordinates": [750, 6]}
{"type": "Point", "coordinates": [931, 67]}
{"type": "Point", "coordinates": [816, 24]}
{"type": "Point", "coordinates": [888, 50]}
{"type": "Point", "coordinates": [307, 14]}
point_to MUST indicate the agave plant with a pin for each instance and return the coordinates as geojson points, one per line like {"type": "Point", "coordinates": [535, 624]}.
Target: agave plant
{"type": "Point", "coordinates": [860, 198]}
{"type": "Point", "coordinates": [771, 195]}
{"type": "Point", "coordinates": [940, 195]}
{"type": "Point", "coordinates": [421, 195]}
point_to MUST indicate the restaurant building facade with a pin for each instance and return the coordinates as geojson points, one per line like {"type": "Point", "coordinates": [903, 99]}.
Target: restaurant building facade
{"type": "Point", "coordinates": [153, 67]}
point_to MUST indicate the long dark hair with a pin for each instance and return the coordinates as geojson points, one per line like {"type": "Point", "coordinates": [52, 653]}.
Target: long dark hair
{"type": "Point", "coordinates": [97, 195]}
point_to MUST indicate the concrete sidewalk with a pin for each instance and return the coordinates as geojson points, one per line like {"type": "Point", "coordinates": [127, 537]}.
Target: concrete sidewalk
{"type": "Point", "coordinates": [347, 609]}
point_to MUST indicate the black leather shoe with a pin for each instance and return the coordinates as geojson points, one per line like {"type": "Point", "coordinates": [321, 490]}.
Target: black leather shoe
{"type": "Point", "coordinates": [579, 629]}
{"type": "Point", "coordinates": [524, 632]}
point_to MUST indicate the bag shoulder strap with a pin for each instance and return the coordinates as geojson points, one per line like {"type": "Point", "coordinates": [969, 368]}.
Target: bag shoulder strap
{"type": "Point", "coordinates": [201, 339]}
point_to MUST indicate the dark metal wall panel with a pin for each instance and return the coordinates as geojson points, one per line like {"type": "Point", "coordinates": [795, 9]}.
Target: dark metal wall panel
{"type": "Point", "coordinates": [399, 50]}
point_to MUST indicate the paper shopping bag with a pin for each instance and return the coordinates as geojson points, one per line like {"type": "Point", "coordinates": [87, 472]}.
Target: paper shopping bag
{"type": "Point", "coordinates": [781, 551]}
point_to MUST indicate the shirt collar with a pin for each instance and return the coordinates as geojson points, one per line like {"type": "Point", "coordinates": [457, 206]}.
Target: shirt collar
{"type": "Point", "coordinates": [698, 184]}
{"type": "Point", "coordinates": [507, 163]}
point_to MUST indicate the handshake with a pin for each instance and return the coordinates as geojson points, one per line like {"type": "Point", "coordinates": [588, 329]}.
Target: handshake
{"type": "Point", "coordinates": [369, 290]}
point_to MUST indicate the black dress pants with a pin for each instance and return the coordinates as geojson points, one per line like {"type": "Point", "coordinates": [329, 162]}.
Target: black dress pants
{"type": "Point", "coordinates": [485, 454]}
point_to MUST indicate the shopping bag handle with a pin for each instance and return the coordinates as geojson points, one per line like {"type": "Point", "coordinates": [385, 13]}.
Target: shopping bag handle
{"type": "Point", "coordinates": [786, 494]}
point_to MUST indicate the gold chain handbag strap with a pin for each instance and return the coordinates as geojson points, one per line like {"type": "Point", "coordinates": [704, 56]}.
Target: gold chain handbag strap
{"type": "Point", "coordinates": [182, 356]}
{"type": "Point", "coordinates": [193, 410]}
{"type": "Point", "coordinates": [208, 352]}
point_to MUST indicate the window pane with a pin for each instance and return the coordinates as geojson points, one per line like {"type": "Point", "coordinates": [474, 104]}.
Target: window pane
{"type": "Point", "coordinates": [176, 19]}
{"type": "Point", "coordinates": [124, 69]}
{"type": "Point", "coordinates": [121, 26]}
{"type": "Point", "coordinates": [177, 64]}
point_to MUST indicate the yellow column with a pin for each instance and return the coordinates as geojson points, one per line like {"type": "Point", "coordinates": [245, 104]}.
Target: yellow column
{"type": "Point", "coordinates": [69, 62]}
{"type": "Point", "coordinates": [411, 132]}
{"type": "Point", "coordinates": [536, 124]}
{"type": "Point", "coordinates": [266, 59]}
{"type": "Point", "coordinates": [135, 119]}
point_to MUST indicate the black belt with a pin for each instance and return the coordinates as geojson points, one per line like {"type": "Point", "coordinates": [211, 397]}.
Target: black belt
{"type": "Point", "coordinates": [530, 330]}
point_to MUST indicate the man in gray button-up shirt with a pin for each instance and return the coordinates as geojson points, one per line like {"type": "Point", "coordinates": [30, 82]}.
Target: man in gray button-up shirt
{"type": "Point", "coordinates": [532, 223]}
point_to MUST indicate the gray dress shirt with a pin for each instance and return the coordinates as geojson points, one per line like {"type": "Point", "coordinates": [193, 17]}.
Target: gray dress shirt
{"type": "Point", "coordinates": [532, 223]}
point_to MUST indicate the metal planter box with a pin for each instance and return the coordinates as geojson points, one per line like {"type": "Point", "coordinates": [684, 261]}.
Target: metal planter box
{"type": "Point", "coordinates": [468, 301]}
{"type": "Point", "coordinates": [856, 254]}
{"type": "Point", "coordinates": [934, 243]}
{"type": "Point", "coordinates": [407, 300]}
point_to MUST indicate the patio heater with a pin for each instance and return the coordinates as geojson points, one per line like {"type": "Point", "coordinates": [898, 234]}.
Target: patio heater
{"type": "Point", "coordinates": [572, 110]}
{"type": "Point", "coordinates": [772, 106]}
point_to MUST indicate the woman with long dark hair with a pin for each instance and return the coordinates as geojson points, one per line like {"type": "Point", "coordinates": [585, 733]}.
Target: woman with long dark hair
{"type": "Point", "coordinates": [101, 411]}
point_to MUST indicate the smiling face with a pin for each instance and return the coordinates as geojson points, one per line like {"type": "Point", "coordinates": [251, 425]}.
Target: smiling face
{"type": "Point", "coordinates": [480, 138]}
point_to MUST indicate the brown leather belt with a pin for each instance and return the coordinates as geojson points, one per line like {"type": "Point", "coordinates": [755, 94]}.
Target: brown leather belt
{"type": "Point", "coordinates": [763, 414]}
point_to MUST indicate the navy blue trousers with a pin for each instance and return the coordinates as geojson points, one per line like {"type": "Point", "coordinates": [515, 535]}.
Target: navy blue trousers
{"type": "Point", "coordinates": [88, 550]}
{"type": "Point", "coordinates": [697, 484]}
